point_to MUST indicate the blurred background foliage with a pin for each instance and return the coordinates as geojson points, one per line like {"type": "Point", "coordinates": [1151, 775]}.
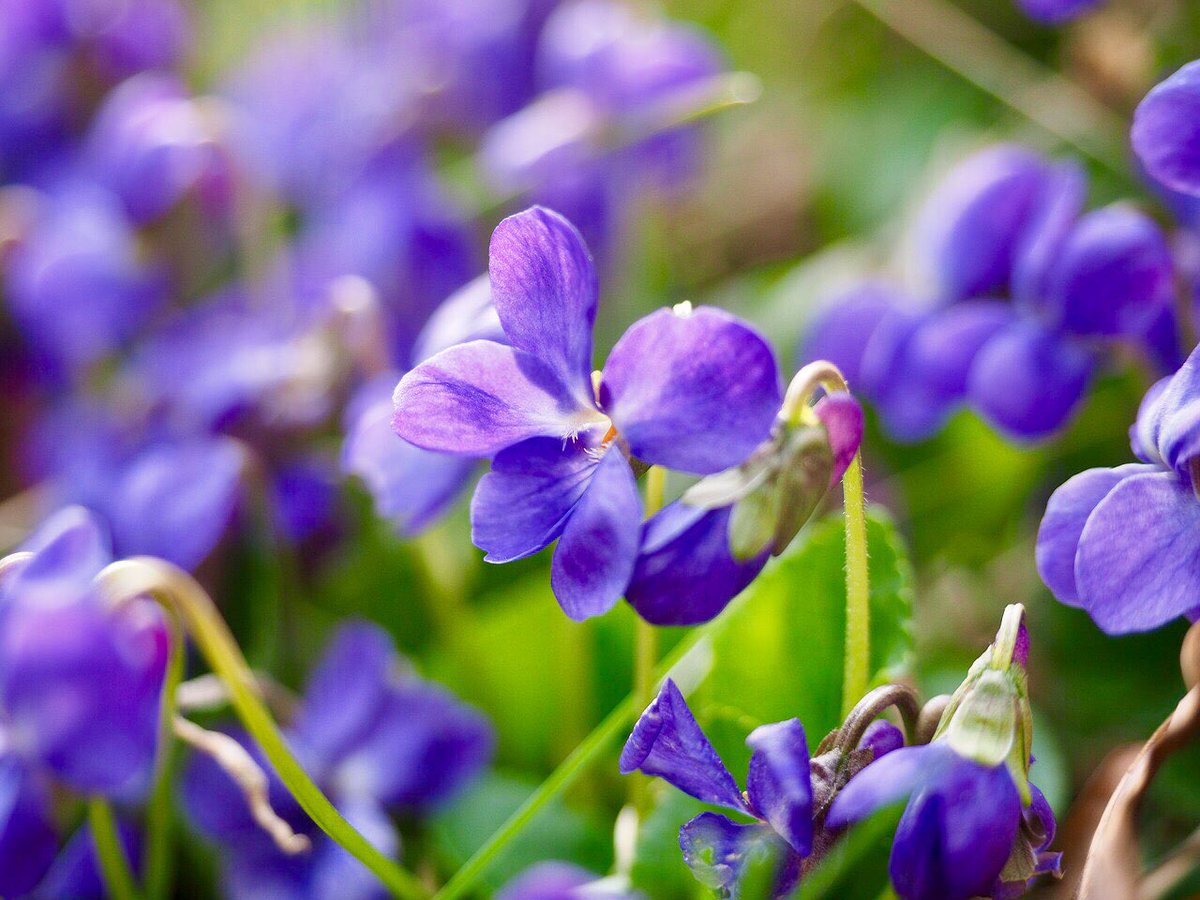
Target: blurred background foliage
{"type": "Point", "coordinates": [864, 102]}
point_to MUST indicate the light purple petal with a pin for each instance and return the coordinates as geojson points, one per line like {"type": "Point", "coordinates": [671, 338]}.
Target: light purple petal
{"type": "Point", "coordinates": [1028, 381]}
{"type": "Point", "coordinates": [666, 742]}
{"type": "Point", "coordinates": [1112, 275]}
{"type": "Point", "coordinates": [696, 390]}
{"type": "Point", "coordinates": [778, 785]}
{"type": "Point", "coordinates": [545, 291]}
{"type": "Point", "coordinates": [1175, 418]}
{"type": "Point", "coordinates": [1055, 12]}
{"type": "Point", "coordinates": [1138, 564]}
{"type": "Point", "coordinates": [1067, 513]}
{"type": "Point", "coordinates": [466, 315]}
{"type": "Point", "coordinates": [843, 420]}
{"type": "Point", "coordinates": [686, 573]}
{"type": "Point", "coordinates": [1143, 434]}
{"type": "Point", "coordinates": [69, 549]}
{"type": "Point", "coordinates": [1166, 131]}
{"type": "Point", "coordinates": [595, 556]}
{"type": "Point", "coordinates": [716, 849]}
{"type": "Point", "coordinates": [522, 504]}
{"type": "Point", "coordinates": [886, 781]}
{"type": "Point", "coordinates": [478, 398]}
{"type": "Point", "coordinates": [547, 881]}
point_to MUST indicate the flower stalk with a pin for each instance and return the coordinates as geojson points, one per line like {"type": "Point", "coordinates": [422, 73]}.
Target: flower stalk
{"type": "Point", "coordinates": [178, 592]}
{"type": "Point", "coordinates": [157, 861]}
{"type": "Point", "coordinates": [114, 866]}
{"type": "Point", "coordinates": [645, 653]}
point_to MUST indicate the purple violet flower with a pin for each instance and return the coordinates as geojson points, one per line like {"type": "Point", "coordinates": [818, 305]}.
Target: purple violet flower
{"type": "Point", "coordinates": [563, 881]}
{"type": "Point", "coordinates": [1166, 131]}
{"type": "Point", "coordinates": [695, 390]}
{"type": "Point", "coordinates": [1121, 542]}
{"type": "Point", "coordinates": [1055, 12]}
{"type": "Point", "coordinates": [667, 742]}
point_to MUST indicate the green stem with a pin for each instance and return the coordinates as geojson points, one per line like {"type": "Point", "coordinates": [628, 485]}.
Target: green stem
{"type": "Point", "coordinates": [645, 653]}
{"type": "Point", "coordinates": [157, 861]}
{"type": "Point", "coordinates": [592, 747]}
{"type": "Point", "coordinates": [114, 867]}
{"type": "Point", "coordinates": [857, 673]}
{"type": "Point", "coordinates": [178, 591]}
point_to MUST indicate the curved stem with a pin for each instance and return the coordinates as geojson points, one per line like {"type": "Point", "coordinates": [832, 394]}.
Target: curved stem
{"type": "Point", "coordinates": [157, 863]}
{"type": "Point", "coordinates": [867, 710]}
{"type": "Point", "coordinates": [646, 648]}
{"type": "Point", "coordinates": [178, 591]}
{"type": "Point", "coordinates": [114, 867]}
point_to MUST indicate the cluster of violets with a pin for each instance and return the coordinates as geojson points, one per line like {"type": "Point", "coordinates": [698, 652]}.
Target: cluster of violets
{"type": "Point", "coordinates": [973, 824]}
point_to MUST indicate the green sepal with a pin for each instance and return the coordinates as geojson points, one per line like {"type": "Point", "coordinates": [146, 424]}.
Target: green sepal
{"type": "Point", "coordinates": [984, 726]}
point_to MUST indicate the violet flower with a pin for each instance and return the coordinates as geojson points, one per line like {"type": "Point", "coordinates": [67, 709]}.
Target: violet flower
{"type": "Point", "coordinates": [556, 880]}
{"type": "Point", "coordinates": [667, 742]}
{"type": "Point", "coordinates": [1166, 131]}
{"type": "Point", "coordinates": [1121, 542]}
{"type": "Point", "coordinates": [1056, 12]}
{"type": "Point", "coordinates": [691, 390]}
{"type": "Point", "coordinates": [376, 738]}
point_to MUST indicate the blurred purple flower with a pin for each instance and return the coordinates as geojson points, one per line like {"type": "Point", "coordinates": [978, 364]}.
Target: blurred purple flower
{"type": "Point", "coordinates": [375, 737]}
{"type": "Point", "coordinates": [1122, 543]}
{"type": "Point", "coordinates": [692, 390]}
{"type": "Point", "coordinates": [563, 881]}
{"type": "Point", "coordinates": [1055, 12]}
{"type": "Point", "coordinates": [1166, 131]}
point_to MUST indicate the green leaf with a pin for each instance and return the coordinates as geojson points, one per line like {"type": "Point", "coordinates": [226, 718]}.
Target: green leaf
{"type": "Point", "coordinates": [781, 655]}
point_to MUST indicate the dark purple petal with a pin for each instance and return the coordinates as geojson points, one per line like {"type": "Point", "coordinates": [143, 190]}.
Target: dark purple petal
{"type": "Point", "coordinates": [1054, 12]}
{"type": "Point", "coordinates": [478, 398]}
{"type": "Point", "coordinates": [28, 840]}
{"type": "Point", "coordinates": [410, 486]}
{"type": "Point", "coordinates": [175, 500]}
{"type": "Point", "coordinates": [522, 504]}
{"type": "Point", "coordinates": [841, 331]}
{"type": "Point", "coordinates": [76, 871]}
{"type": "Point", "coordinates": [1138, 564]}
{"type": "Point", "coordinates": [1067, 513]}
{"type": "Point", "coordinates": [778, 785]}
{"type": "Point", "coordinates": [1112, 275]}
{"type": "Point", "coordinates": [695, 390]}
{"type": "Point", "coordinates": [881, 738]}
{"type": "Point", "coordinates": [667, 742]}
{"type": "Point", "coordinates": [716, 849]}
{"type": "Point", "coordinates": [1040, 817]}
{"type": "Point", "coordinates": [466, 315]}
{"type": "Point", "coordinates": [1028, 381]}
{"type": "Point", "coordinates": [303, 495]}
{"type": "Point", "coordinates": [344, 694]}
{"type": "Point", "coordinates": [1061, 201]}
{"type": "Point", "coordinates": [886, 781]}
{"type": "Point", "coordinates": [596, 553]}
{"type": "Point", "coordinates": [973, 224]}
{"type": "Point", "coordinates": [685, 572]}
{"type": "Point", "coordinates": [545, 291]}
{"type": "Point", "coordinates": [842, 417]}
{"type": "Point", "coordinates": [1166, 131]}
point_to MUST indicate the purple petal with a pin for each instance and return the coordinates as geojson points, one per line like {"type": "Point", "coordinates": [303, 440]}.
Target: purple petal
{"type": "Point", "coordinates": [842, 417]}
{"type": "Point", "coordinates": [667, 742]}
{"type": "Point", "coordinates": [545, 291]}
{"type": "Point", "coordinates": [176, 499]}
{"type": "Point", "coordinates": [778, 785]}
{"type": "Point", "coordinates": [886, 781]}
{"type": "Point", "coordinates": [908, 408]}
{"type": "Point", "coordinates": [685, 572]}
{"type": "Point", "coordinates": [69, 549]}
{"type": "Point", "coordinates": [345, 693]}
{"type": "Point", "coordinates": [478, 398]}
{"type": "Point", "coordinates": [957, 833]}
{"type": "Point", "coordinates": [1113, 275]}
{"type": "Point", "coordinates": [522, 504]}
{"type": "Point", "coordinates": [1138, 564]}
{"type": "Point", "coordinates": [1166, 131]}
{"type": "Point", "coordinates": [975, 221]}
{"type": "Point", "coordinates": [1143, 434]}
{"type": "Point", "coordinates": [595, 556]}
{"type": "Point", "coordinates": [1028, 381]}
{"type": "Point", "coordinates": [1067, 513]}
{"type": "Point", "coordinates": [716, 849]}
{"type": "Point", "coordinates": [1061, 201]}
{"type": "Point", "coordinates": [1054, 12]}
{"type": "Point", "coordinates": [547, 881]}
{"type": "Point", "coordinates": [881, 738]}
{"type": "Point", "coordinates": [694, 390]}
{"type": "Point", "coordinates": [1040, 817]}
{"type": "Point", "coordinates": [1174, 420]}
{"type": "Point", "coordinates": [335, 873]}
{"type": "Point", "coordinates": [28, 840]}
{"type": "Point", "coordinates": [466, 315]}
{"type": "Point", "coordinates": [841, 331]}
{"type": "Point", "coordinates": [410, 486]}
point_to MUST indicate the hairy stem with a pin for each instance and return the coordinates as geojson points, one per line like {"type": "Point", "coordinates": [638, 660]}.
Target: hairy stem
{"type": "Point", "coordinates": [857, 671]}
{"type": "Point", "coordinates": [178, 591]}
{"type": "Point", "coordinates": [114, 867]}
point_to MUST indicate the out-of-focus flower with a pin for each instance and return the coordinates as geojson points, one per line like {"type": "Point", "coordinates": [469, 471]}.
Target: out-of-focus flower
{"type": "Point", "coordinates": [700, 552]}
{"type": "Point", "coordinates": [1166, 131]}
{"type": "Point", "coordinates": [691, 390]}
{"type": "Point", "coordinates": [563, 881]}
{"type": "Point", "coordinates": [376, 738]}
{"type": "Point", "coordinates": [1055, 12]}
{"type": "Point", "coordinates": [80, 685]}
{"type": "Point", "coordinates": [1121, 543]}
{"type": "Point", "coordinates": [973, 824]}
{"type": "Point", "coordinates": [1005, 222]}
{"type": "Point", "coordinates": [667, 743]}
